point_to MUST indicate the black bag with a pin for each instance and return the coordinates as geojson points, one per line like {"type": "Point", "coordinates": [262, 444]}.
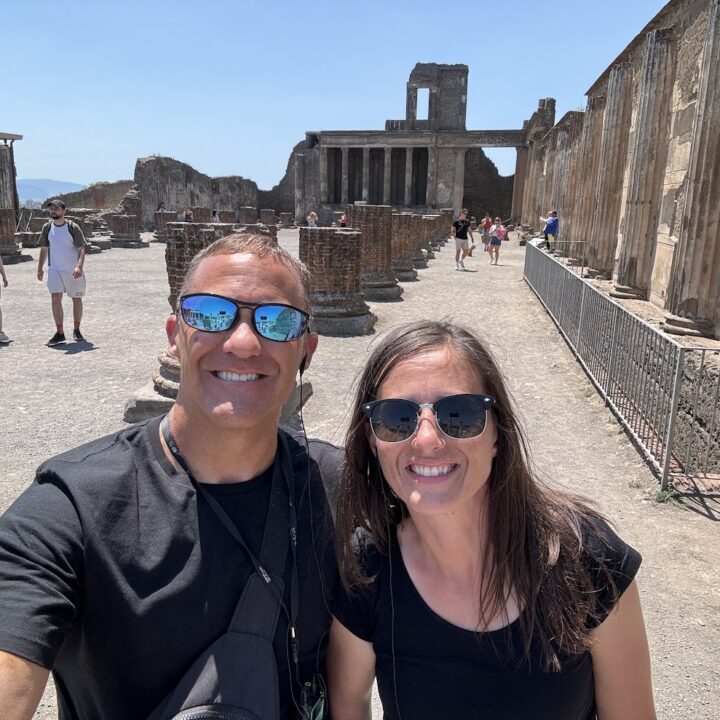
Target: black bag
{"type": "Point", "coordinates": [236, 678]}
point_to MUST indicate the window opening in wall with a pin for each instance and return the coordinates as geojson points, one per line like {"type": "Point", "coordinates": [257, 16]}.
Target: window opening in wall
{"type": "Point", "coordinates": [423, 104]}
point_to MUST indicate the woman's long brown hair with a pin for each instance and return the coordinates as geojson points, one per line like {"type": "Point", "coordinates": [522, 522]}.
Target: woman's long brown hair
{"type": "Point", "coordinates": [534, 538]}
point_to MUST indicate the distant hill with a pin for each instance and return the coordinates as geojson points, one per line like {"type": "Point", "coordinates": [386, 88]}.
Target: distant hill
{"type": "Point", "coordinates": [39, 190]}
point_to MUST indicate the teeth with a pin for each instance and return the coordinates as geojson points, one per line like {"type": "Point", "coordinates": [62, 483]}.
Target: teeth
{"type": "Point", "coordinates": [235, 377]}
{"type": "Point", "coordinates": [434, 471]}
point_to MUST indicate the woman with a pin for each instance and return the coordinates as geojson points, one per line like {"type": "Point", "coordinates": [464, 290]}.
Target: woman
{"type": "Point", "coordinates": [312, 219]}
{"type": "Point", "coordinates": [497, 234]}
{"type": "Point", "coordinates": [470, 588]}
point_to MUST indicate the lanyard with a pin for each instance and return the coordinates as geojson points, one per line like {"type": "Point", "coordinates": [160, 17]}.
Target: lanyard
{"type": "Point", "coordinates": [283, 467]}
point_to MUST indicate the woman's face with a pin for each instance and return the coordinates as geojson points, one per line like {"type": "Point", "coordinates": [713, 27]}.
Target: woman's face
{"type": "Point", "coordinates": [431, 472]}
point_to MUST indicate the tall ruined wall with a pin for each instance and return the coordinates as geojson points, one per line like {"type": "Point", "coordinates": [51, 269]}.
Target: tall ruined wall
{"type": "Point", "coordinates": [636, 179]}
{"type": "Point", "coordinates": [98, 196]}
{"type": "Point", "coordinates": [485, 189]}
{"type": "Point", "coordinates": [162, 179]}
{"type": "Point", "coordinates": [8, 196]}
{"type": "Point", "coordinates": [282, 197]}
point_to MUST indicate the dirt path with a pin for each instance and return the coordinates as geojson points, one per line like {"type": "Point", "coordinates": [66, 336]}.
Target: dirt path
{"type": "Point", "coordinates": [55, 399]}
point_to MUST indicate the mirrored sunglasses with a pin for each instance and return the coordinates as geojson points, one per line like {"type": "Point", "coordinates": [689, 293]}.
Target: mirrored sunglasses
{"type": "Point", "coordinates": [215, 314]}
{"type": "Point", "coordinates": [458, 416]}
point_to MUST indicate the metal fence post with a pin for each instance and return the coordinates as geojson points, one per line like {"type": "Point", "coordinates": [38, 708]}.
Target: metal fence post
{"type": "Point", "coordinates": [613, 353]}
{"type": "Point", "coordinates": [667, 456]}
{"type": "Point", "coordinates": [580, 319]}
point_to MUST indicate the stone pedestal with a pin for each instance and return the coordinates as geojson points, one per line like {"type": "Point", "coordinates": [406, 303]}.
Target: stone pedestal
{"type": "Point", "coordinates": [131, 204]}
{"type": "Point", "coordinates": [27, 239]}
{"type": "Point", "coordinates": [377, 279]}
{"type": "Point", "coordinates": [401, 260]}
{"type": "Point", "coordinates": [286, 220]}
{"type": "Point", "coordinates": [419, 256]}
{"type": "Point", "coordinates": [247, 215]}
{"type": "Point", "coordinates": [162, 218]}
{"type": "Point", "coordinates": [227, 216]}
{"type": "Point", "coordinates": [125, 231]}
{"type": "Point", "coordinates": [267, 217]}
{"type": "Point", "coordinates": [9, 249]}
{"type": "Point", "coordinates": [332, 255]}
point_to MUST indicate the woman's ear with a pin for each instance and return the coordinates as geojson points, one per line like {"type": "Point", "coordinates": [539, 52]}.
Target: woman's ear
{"type": "Point", "coordinates": [372, 442]}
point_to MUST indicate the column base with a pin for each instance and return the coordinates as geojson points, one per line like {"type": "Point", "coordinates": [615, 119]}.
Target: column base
{"type": "Point", "coordinates": [380, 287]}
{"type": "Point", "coordinates": [128, 242]}
{"type": "Point", "coordinates": [104, 243]}
{"type": "Point", "coordinates": [344, 326]}
{"type": "Point", "coordinates": [406, 275]}
{"type": "Point", "coordinates": [676, 325]}
{"type": "Point", "coordinates": [625, 292]}
{"type": "Point", "coordinates": [15, 258]}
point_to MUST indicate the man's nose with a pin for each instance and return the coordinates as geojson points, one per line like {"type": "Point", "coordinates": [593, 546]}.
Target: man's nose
{"type": "Point", "coordinates": [242, 340]}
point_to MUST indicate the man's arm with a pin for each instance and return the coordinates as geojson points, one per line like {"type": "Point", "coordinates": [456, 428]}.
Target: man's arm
{"type": "Point", "coordinates": [41, 262]}
{"type": "Point", "coordinates": [21, 686]}
{"type": "Point", "coordinates": [2, 273]}
{"type": "Point", "coordinates": [78, 271]}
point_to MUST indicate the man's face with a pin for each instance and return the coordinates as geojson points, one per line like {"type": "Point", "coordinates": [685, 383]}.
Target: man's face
{"type": "Point", "coordinates": [237, 379]}
{"type": "Point", "coordinates": [463, 215]}
{"type": "Point", "coordinates": [56, 212]}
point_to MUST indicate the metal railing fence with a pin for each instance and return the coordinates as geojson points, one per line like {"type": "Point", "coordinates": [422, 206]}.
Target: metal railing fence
{"type": "Point", "coordinates": [664, 394]}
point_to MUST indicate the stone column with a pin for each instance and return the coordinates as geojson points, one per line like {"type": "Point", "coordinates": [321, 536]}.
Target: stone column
{"type": "Point", "coordinates": [377, 280]}
{"type": "Point", "coordinates": [162, 218]}
{"type": "Point", "coordinates": [387, 169]}
{"type": "Point", "coordinates": [323, 174]}
{"type": "Point", "coordinates": [431, 176]}
{"type": "Point", "coordinates": [646, 160]}
{"type": "Point", "coordinates": [345, 176]}
{"type": "Point", "coordinates": [408, 175]}
{"type": "Point", "coordinates": [8, 195]}
{"type": "Point", "coordinates": [401, 260]}
{"type": "Point", "coordinates": [419, 254]}
{"type": "Point", "coordinates": [125, 231]}
{"type": "Point", "coordinates": [300, 213]}
{"type": "Point", "coordinates": [366, 174]}
{"type": "Point", "coordinates": [286, 219]}
{"type": "Point", "coordinates": [693, 297]}
{"type": "Point", "coordinates": [9, 249]}
{"type": "Point", "coordinates": [459, 183]}
{"type": "Point", "coordinates": [267, 217]}
{"type": "Point", "coordinates": [247, 216]}
{"type": "Point", "coordinates": [201, 214]}
{"type": "Point", "coordinates": [519, 183]}
{"type": "Point", "coordinates": [332, 255]}
{"type": "Point", "coordinates": [613, 153]}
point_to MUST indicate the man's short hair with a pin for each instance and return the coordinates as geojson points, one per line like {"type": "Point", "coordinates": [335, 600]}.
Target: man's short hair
{"type": "Point", "coordinates": [55, 202]}
{"type": "Point", "coordinates": [464, 210]}
{"type": "Point", "coordinates": [261, 245]}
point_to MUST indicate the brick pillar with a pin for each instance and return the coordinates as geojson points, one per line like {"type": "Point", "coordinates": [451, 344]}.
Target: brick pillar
{"type": "Point", "coordinates": [408, 175]}
{"type": "Point", "coordinates": [286, 219]}
{"type": "Point", "coordinates": [267, 217]}
{"type": "Point", "coordinates": [645, 164]}
{"type": "Point", "coordinates": [377, 280]}
{"type": "Point", "coordinates": [9, 249]}
{"type": "Point", "coordinates": [387, 167]}
{"type": "Point", "coordinates": [401, 260]}
{"type": "Point", "coordinates": [332, 255]}
{"type": "Point", "coordinates": [201, 214]}
{"type": "Point", "coordinates": [162, 218]}
{"type": "Point", "coordinates": [427, 227]}
{"type": "Point", "coordinates": [125, 231]}
{"type": "Point", "coordinates": [227, 216]}
{"type": "Point", "coordinates": [419, 254]}
{"type": "Point", "coordinates": [247, 215]}
{"type": "Point", "coordinates": [694, 292]}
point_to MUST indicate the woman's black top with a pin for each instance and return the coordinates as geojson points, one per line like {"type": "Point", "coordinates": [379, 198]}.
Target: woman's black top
{"type": "Point", "coordinates": [430, 669]}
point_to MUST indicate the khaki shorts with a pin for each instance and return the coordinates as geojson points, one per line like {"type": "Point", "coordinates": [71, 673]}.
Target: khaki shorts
{"type": "Point", "coordinates": [59, 282]}
{"type": "Point", "coordinates": [461, 244]}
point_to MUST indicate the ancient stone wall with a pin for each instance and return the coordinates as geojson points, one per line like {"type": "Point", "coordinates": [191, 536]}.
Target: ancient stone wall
{"type": "Point", "coordinates": [485, 189]}
{"type": "Point", "coordinates": [636, 179]}
{"type": "Point", "coordinates": [98, 196]}
{"type": "Point", "coordinates": [177, 185]}
{"type": "Point", "coordinates": [8, 195]}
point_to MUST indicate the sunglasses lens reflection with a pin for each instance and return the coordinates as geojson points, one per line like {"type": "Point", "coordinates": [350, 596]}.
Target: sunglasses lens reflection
{"type": "Point", "coordinates": [280, 323]}
{"type": "Point", "coordinates": [208, 313]}
{"type": "Point", "coordinates": [394, 420]}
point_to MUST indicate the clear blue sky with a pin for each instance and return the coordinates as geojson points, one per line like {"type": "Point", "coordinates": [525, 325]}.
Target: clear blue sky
{"type": "Point", "coordinates": [230, 86]}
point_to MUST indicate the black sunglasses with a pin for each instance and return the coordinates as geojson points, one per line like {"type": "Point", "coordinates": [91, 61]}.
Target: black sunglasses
{"type": "Point", "coordinates": [458, 416]}
{"type": "Point", "coordinates": [215, 313]}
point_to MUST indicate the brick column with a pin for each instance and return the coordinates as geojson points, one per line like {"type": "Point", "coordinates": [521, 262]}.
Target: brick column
{"type": "Point", "coordinates": [401, 260]}
{"type": "Point", "coordinates": [332, 255]}
{"type": "Point", "coordinates": [125, 232]}
{"type": "Point", "coordinates": [408, 175]}
{"type": "Point", "coordinates": [267, 217]}
{"type": "Point", "coordinates": [692, 301]}
{"type": "Point", "coordinates": [377, 280]}
{"type": "Point", "coordinates": [426, 230]}
{"type": "Point", "coordinates": [9, 249]}
{"type": "Point", "coordinates": [300, 208]}
{"type": "Point", "coordinates": [387, 168]}
{"type": "Point", "coordinates": [162, 218]}
{"type": "Point", "coordinates": [247, 215]}
{"type": "Point", "coordinates": [286, 219]}
{"type": "Point", "coordinates": [345, 176]}
{"type": "Point", "coordinates": [647, 152]}
{"type": "Point", "coordinates": [366, 174]}
{"type": "Point", "coordinates": [419, 255]}
{"type": "Point", "coordinates": [201, 214]}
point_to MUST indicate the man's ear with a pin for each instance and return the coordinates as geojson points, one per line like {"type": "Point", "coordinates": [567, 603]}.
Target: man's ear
{"type": "Point", "coordinates": [171, 330]}
{"type": "Point", "coordinates": [309, 348]}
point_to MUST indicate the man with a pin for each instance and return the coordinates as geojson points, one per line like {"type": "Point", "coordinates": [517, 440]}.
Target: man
{"type": "Point", "coordinates": [460, 229]}
{"type": "Point", "coordinates": [552, 223]}
{"type": "Point", "coordinates": [116, 572]}
{"type": "Point", "coordinates": [65, 242]}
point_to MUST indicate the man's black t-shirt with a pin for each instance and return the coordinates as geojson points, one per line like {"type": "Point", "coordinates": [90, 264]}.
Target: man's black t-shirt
{"type": "Point", "coordinates": [115, 575]}
{"type": "Point", "coordinates": [427, 667]}
{"type": "Point", "coordinates": [461, 229]}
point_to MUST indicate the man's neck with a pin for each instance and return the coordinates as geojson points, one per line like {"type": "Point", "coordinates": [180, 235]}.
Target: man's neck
{"type": "Point", "coordinates": [59, 221]}
{"type": "Point", "coordinates": [218, 456]}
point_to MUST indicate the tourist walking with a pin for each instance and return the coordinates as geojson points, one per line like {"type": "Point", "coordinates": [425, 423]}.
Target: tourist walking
{"type": "Point", "coordinates": [552, 225]}
{"type": "Point", "coordinates": [4, 339]}
{"type": "Point", "coordinates": [312, 219]}
{"type": "Point", "coordinates": [460, 231]}
{"type": "Point", "coordinates": [126, 563]}
{"type": "Point", "coordinates": [485, 226]}
{"type": "Point", "coordinates": [498, 232]}
{"type": "Point", "coordinates": [472, 588]}
{"type": "Point", "coordinates": [63, 244]}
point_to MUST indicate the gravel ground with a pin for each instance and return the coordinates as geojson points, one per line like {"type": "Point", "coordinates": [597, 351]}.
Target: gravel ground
{"type": "Point", "coordinates": [55, 398]}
